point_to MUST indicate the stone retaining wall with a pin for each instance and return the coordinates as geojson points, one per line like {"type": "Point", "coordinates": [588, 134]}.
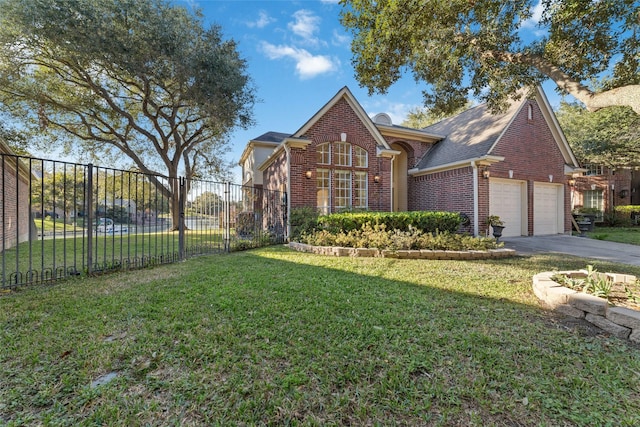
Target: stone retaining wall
{"type": "Point", "coordinates": [618, 321]}
{"type": "Point", "coordinates": [403, 254]}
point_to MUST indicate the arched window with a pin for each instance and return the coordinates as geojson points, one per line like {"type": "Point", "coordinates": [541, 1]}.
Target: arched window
{"type": "Point", "coordinates": [530, 112]}
{"type": "Point", "coordinates": [336, 180]}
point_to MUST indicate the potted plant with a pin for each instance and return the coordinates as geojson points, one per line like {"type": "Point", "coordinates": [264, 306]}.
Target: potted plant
{"type": "Point", "coordinates": [497, 224]}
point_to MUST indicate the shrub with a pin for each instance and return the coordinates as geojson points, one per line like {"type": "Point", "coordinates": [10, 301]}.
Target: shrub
{"type": "Point", "coordinates": [377, 236]}
{"type": "Point", "coordinates": [303, 221]}
{"type": "Point", "coordinates": [425, 221]}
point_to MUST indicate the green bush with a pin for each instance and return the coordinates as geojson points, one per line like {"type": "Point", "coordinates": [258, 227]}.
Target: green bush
{"type": "Point", "coordinates": [377, 236]}
{"type": "Point", "coordinates": [303, 221]}
{"type": "Point", "coordinates": [425, 221]}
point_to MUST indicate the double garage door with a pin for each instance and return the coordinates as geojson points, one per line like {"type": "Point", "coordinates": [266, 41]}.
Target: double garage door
{"type": "Point", "coordinates": [508, 199]}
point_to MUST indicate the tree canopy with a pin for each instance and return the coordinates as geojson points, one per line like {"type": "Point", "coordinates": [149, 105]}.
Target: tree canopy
{"type": "Point", "coordinates": [610, 136]}
{"type": "Point", "coordinates": [462, 47]}
{"type": "Point", "coordinates": [420, 117]}
{"type": "Point", "coordinates": [142, 78]}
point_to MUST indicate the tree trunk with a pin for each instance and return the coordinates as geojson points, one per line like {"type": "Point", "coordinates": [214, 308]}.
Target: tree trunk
{"type": "Point", "coordinates": [174, 203]}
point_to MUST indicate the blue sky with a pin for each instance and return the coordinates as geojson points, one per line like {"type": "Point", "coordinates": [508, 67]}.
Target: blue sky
{"type": "Point", "coordinates": [299, 56]}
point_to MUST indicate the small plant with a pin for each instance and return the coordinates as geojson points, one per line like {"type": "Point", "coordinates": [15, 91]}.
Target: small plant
{"type": "Point", "coordinates": [631, 296]}
{"type": "Point", "coordinates": [494, 220]}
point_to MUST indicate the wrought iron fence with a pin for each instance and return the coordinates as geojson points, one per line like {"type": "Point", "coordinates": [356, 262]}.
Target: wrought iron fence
{"type": "Point", "coordinates": [62, 219]}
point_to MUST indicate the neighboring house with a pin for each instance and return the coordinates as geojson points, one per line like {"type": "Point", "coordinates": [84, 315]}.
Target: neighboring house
{"type": "Point", "coordinates": [604, 188]}
{"type": "Point", "coordinates": [16, 224]}
{"type": "Point", "coordinates": [515, 165]}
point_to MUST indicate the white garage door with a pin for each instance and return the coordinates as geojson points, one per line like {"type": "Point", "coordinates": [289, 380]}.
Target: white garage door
{"type": "Point", "coordinates": [506, 200]}
{"type": "Point", "coordinates": [548, 212]}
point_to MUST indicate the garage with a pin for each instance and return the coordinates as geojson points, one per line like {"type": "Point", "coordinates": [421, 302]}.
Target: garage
{"type": "Point", "coordinates": [507, 199]}
{"type": "Point", "coordinates": [548, 212]}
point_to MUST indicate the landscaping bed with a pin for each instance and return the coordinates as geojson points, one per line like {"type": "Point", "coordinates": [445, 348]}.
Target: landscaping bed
{"type": "Point", "coordinates": [610, 301]}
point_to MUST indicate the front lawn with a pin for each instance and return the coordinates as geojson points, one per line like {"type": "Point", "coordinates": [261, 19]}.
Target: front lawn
{"type": "Point", "coordinates": [629, 235]}
{"type": "Point", "coordinates": [276, 337]}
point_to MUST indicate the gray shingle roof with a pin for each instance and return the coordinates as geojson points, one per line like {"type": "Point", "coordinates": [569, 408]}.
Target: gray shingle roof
{"type": "Point", "coordinates": [470, 135]}
{"type": "Point", "coordinates": [272, 137]}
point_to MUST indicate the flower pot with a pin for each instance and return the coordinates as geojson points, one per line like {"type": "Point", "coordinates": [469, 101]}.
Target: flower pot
{"type": "Point", "coordinates": [497, 231]}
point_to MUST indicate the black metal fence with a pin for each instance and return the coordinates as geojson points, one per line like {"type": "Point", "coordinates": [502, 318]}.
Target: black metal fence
{"type": "Point", "coordinates": [61, 219]}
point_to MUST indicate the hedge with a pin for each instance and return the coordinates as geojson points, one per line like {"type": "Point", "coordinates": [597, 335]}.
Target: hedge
{"type": "Point", "coordinates": [426, 221]}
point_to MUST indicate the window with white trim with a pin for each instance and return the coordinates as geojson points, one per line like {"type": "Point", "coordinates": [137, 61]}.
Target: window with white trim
{"type": "Point", "coordinates": [360, 199]}
{"type": "Point", "coordinates": [342, 152]}
{"type": "Point", "coordinates": [323, 190]}
{"type": "Point", "coordinates": [342, 183]}
{"type": "Point", "coordinates": [594, 199]}
{"type": "Point", "coordinates": [323, 154]}
{"type": "Point", "coordinates": [360, 157]}
{"type": "Point", "coordinates": [594, 169]}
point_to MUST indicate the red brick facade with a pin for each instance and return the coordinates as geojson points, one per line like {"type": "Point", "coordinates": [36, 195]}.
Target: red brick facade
{"type": "Point", "coordinates": [531, 152]}
{"type": "Point", "coordinates": [14, 203]}
{"type": "Point", "coordinates": [528, 150]}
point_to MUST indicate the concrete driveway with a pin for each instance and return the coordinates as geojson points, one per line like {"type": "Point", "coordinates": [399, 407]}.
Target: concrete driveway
{"type": "Point", "coordinates": [577, 246]}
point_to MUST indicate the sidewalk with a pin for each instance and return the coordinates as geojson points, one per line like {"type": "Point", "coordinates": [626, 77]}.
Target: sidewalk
{"type": "Point", "coordinates": [578, 246]}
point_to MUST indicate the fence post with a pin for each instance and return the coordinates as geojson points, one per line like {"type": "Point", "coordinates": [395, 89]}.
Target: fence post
{"type": "Point", "coordinates": [89, 217]}
{"type": "Point", "coordinates": [181, 199]}
{"type": "Point", "coordinates": [227, 216]}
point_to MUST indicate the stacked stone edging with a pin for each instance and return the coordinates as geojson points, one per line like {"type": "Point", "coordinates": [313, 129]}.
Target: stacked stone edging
{"type": "Point", "coordinates": [403, 254]}
{"type": "Point", "coordinates": [621, 322]}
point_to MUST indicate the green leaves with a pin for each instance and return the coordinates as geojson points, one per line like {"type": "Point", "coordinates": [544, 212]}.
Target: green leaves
{"type": "Point", "coordinates": [492, 48]}
{"type": "Point", "coordinates": [610, 136]}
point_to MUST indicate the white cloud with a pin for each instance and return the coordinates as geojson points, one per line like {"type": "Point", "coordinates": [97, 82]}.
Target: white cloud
{"type": "Point", "coordinates": [305, 25]}
{"type": "Point", "coordinates": [536, 15]}
{"type": "Point", "coordinates": [340, 39]}
{"type": "Point", "coordinates": [263, 20]}
{"type": "Point", "coordinates": [307, 65]}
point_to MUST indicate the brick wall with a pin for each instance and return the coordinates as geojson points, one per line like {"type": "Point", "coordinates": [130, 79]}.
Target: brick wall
{"type": "Point", "coordinates": [531, 152]}
{"type": "Point", "coordinates": [15, 217]}
{"type": "Point", "coordinates": [450, 190]}
{"type": "Point", "coordinates": [339, 119]}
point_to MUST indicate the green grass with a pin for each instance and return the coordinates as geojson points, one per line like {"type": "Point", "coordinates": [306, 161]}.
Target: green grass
{"type": "Point", "coordinates": [629, 235]}
{"type": "Point", "coordinates": [72, 252]}
{"type": "Point", "coordinates": [276, 337]}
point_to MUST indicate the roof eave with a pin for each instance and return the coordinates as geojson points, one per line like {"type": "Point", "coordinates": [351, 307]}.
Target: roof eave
{"type": "Point", "coordinates": [479, 161]}
{"type": "Point", "coordinates": [414, 134]}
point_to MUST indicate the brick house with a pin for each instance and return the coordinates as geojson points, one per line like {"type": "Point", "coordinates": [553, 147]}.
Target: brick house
{"type": "Point", "coordinates": [15, 219]}
{"type": "Point", "coordinates": [603, 188]}
{"type": "Point", "coordinates": [515, 165]}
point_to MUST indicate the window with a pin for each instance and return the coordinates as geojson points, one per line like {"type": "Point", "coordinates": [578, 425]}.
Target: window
{"type": "Point", "coordinates": [322, 190]}
{"type": "Point", "coordinates": [323, 153]}
{"type": "Point", "coordinates": [594, 169]}
{"type": "Point", "coordinates": [360, 190]}
{"type": "Point", "coordinates": [359, 157]}
{"type": "Point", "coordinates": [342, 177]}
{"type": "Point", "coordinates": [594, 199]}
{"type": "Point", "coordinates": [342, 154]}
{"type": "Point", "coordinates": [529, 113]}
{"type": "Point", "coordinates": [342, 181]}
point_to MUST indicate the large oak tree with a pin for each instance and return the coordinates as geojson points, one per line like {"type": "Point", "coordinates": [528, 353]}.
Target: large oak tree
{"type": "Point", "coordinates": [479, 46]}
{"type": "Point", "coordinates": [140, 78]}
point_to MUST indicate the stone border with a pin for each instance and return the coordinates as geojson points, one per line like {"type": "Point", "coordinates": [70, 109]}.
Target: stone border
{"type": "Point", "coordinates": [621, 322]}
{"type": "Point", "coordinates": [403, 254]}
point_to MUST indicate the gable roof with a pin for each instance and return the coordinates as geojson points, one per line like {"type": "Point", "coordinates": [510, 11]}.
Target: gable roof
{"type": "Point", "coordinates": [346, 94]}
{"type": "Point", "coordinates": [474, 133]}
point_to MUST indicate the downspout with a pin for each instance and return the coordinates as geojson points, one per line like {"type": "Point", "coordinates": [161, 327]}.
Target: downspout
{"type": "Point", "coordinates": [288, 189]}
{"type": "Point", "coordinates": [476, 225]}
{"type": "Point", "coordinates": [392, 184]}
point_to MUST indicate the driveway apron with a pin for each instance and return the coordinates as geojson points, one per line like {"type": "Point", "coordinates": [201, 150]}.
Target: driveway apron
{"type": "Point", "coordinates": [578, 246]}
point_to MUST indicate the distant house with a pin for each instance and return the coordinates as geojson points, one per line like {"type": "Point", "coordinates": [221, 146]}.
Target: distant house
{"type": "Point", "coordinates": [603, 188]}
{"type": "Point", "coordinates": [515, 165]}
{"type": "Point", "coordinates": [16, 224]}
